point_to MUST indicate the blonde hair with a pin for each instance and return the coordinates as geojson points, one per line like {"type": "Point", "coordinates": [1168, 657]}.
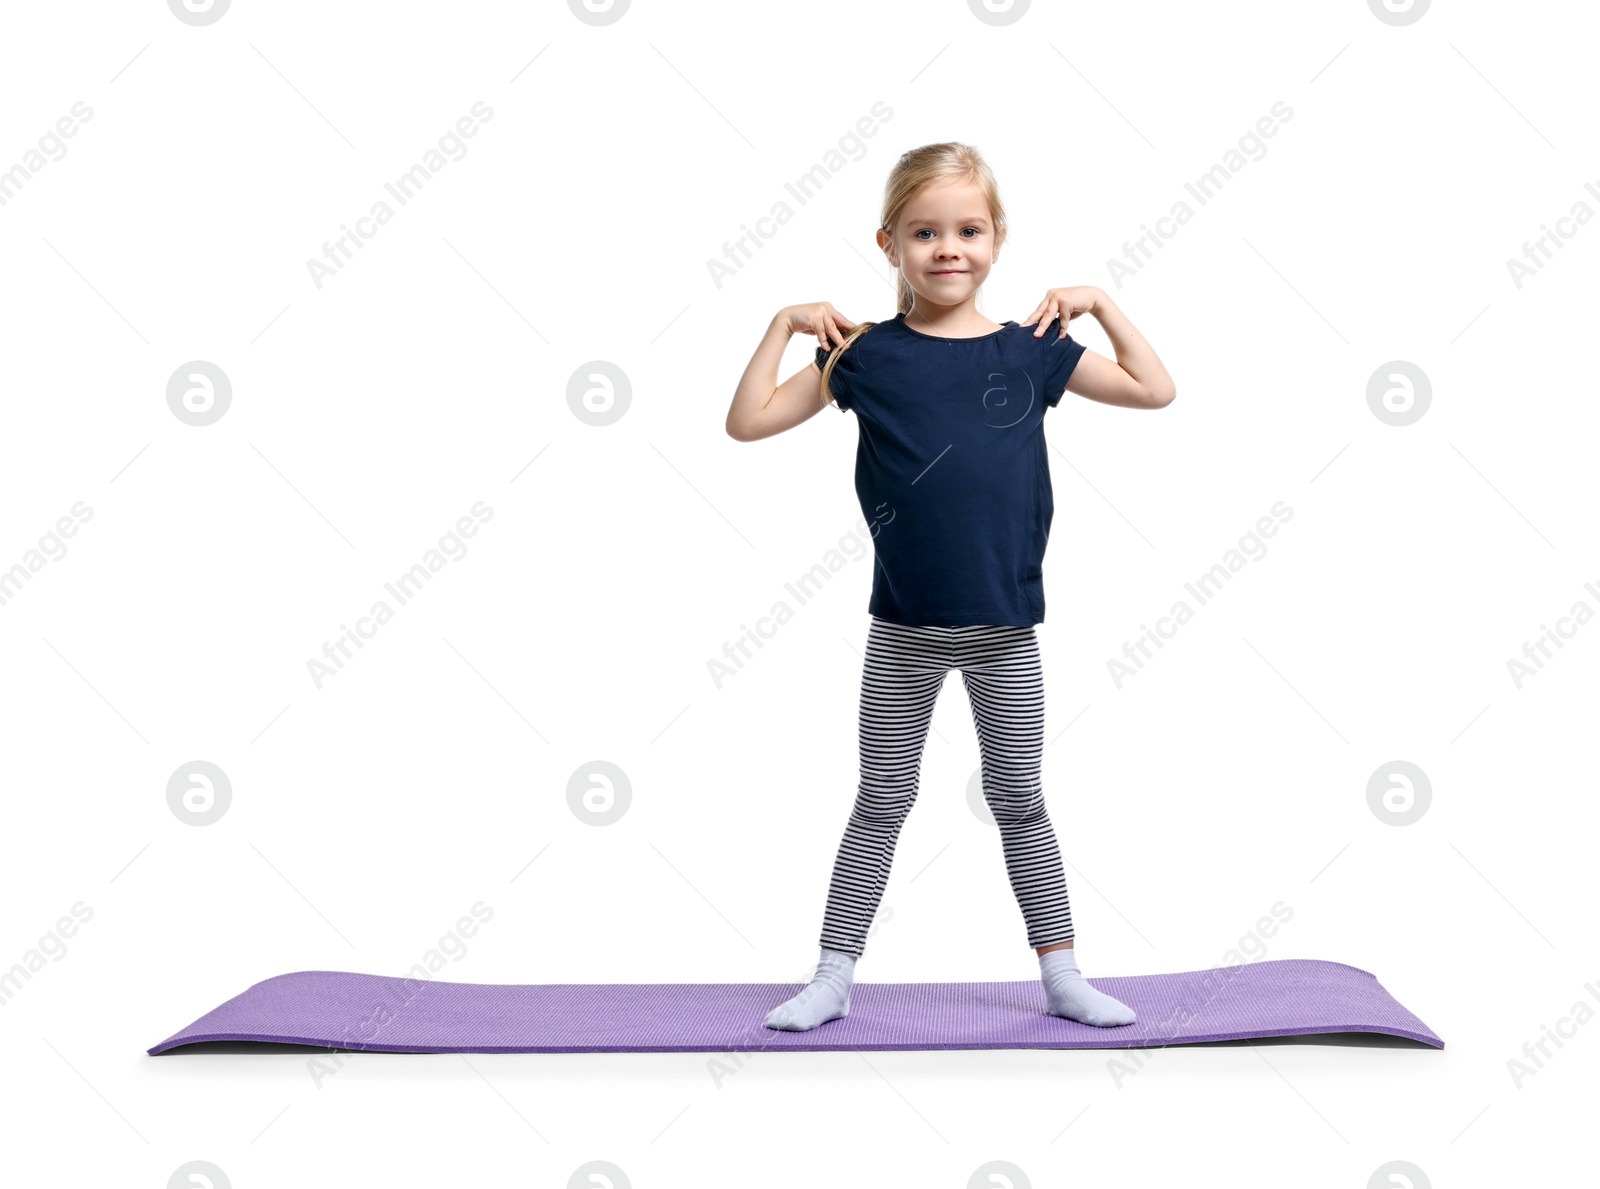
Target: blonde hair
{"type": "Point", "coordinates": [931, 164]}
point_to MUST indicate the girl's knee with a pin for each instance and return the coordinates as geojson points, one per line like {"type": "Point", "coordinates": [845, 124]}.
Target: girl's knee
{"type": "Point", "coordinates": [1010, 810]}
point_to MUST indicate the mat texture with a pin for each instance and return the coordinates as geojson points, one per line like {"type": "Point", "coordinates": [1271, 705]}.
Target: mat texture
{"type": "Point", "coordinates": [339, 1009]}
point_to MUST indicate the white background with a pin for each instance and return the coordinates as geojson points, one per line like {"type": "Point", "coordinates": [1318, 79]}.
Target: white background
{"type": "Point", "coordinates": [432, 772]}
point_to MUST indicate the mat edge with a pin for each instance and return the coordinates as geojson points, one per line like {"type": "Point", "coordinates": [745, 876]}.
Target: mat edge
{"type": "Point", "coordinates": [208, 1038]}
{"type": "Point", "coordinates": [859, 982]}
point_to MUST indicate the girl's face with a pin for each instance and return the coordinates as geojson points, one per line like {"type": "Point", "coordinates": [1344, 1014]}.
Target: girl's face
{"type": "Point", "coordinates": [944, 243]}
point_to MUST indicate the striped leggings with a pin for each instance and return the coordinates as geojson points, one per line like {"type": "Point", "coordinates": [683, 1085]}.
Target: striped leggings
{"type": "Point", "coordinates": [900, 681]}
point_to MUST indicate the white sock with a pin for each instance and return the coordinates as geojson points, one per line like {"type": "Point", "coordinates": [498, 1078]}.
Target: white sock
{"type": "Point", "coordinates": [1071, 996]}
{"type": "Point", "coordinates": [826, 997]}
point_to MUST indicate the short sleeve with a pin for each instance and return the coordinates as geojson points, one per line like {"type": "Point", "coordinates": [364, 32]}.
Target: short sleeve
{"type": "Point", "coordinates": [839, 385]}
{"type": "Point", "coordinates": [1060, 358]}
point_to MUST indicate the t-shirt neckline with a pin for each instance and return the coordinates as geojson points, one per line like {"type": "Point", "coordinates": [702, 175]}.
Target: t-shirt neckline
{"type": "Point", "coordinates": [939, 338]}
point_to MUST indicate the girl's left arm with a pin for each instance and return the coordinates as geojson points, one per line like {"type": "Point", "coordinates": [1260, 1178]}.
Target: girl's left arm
{"type": "Point", "coordinates": [1136, 379]}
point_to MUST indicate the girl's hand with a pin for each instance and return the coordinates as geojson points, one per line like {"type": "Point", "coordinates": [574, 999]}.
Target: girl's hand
{"type": "Point", "coordinates": [1067, 304]}
{"type": "Point", "coordinates": [820, 319]}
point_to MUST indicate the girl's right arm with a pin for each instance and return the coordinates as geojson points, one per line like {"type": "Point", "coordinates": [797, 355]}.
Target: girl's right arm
{"type": "Point", "coordinates": [759, 409]}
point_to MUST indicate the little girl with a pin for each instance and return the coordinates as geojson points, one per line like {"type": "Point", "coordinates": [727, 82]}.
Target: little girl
{"type": "Point", "coordinates": [953, 478]}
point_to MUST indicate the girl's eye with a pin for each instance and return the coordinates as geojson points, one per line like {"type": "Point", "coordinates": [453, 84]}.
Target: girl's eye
{"type": "Point", "coordinates": [974, 230]}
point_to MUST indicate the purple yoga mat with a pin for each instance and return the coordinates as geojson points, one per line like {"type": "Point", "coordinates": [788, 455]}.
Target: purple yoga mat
{"type": "Point", "coordinates": [339, 1009]}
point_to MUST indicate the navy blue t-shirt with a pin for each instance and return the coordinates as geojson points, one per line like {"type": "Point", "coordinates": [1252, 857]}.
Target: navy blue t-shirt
{"type": "Point", "coordinates": [951, 468]}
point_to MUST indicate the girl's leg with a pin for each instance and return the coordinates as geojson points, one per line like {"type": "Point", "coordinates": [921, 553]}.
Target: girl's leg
{"type": "Point", "coordinates": [905, 666]}
{"type": "Point", "coordinates": [900, 681]}
{"type": "Point", "coordinates": [1005, 684]}
{"type": "Point", "coordinates": [1001, 669]}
